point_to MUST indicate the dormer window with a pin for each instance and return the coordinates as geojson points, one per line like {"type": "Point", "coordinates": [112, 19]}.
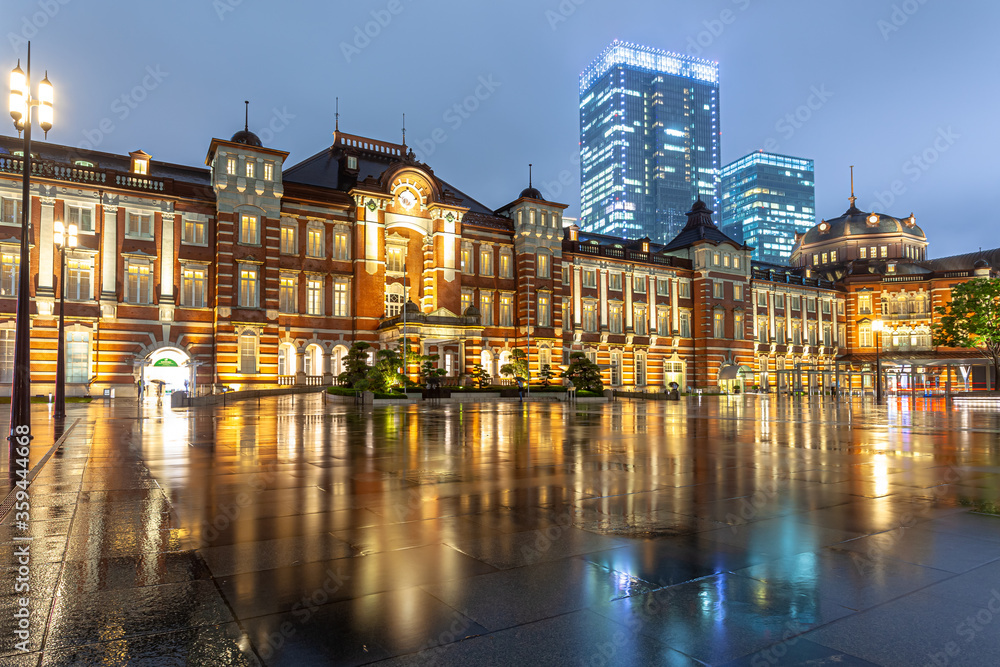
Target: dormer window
{"type": "Point", "coordinates": [352, 162]}
{"type": "Point", "coordinates": [140, 162]}
{"type": "Point", "coordinates": [83, 163]}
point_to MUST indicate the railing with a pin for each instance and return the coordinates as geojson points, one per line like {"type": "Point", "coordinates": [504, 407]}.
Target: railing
{"type": "Point", "coordinates": [74, 174]}
{"type": "Point", "coordinates": [314, 380]}
{"type": "Point", "coordinates": [625, 253]}
{"type": "Point", "coordinates": [286, 380]}
{"type": "Point", "coordinates": [483, 220]}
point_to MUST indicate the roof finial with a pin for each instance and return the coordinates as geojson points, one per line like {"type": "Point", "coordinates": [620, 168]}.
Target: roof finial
{"type": "Point", "coordinates": [529, 174]}
{"type": "Point", "coordinates": [246, 116]}
{"type": "Point", "coordinates": [404, 130]}
{"type": "Point", "coordinates": [852, 198]}
{"type": "Point", "coordinates": [336, 121]}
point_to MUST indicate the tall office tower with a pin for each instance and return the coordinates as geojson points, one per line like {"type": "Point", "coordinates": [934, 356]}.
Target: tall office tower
{"type": "Point", "coordinates": [766, 198]}
{"type": "Point", "coordinates": [649, 141]}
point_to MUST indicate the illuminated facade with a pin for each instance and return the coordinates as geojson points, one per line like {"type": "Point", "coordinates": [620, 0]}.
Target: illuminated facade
{"type": "Point", "coordinates": [649, 141]}
{"type": "Point", "coordinates": [766, 200]}
{"type": "Point", "coordinates": [251, 274]}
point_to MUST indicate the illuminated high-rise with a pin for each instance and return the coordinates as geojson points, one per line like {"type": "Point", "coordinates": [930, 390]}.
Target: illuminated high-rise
{"type": "Point", "coordinates": [766, 199]}
{"type": "Point", "coordinates": [649, 141]}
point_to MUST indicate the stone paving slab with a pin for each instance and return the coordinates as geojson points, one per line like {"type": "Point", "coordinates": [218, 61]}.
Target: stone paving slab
{"type": "Point", "coordinates": [627, 533]}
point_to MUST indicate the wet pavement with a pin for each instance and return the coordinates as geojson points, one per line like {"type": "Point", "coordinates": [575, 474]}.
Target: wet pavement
{"type": "Point", "coordinates": [741, 530]}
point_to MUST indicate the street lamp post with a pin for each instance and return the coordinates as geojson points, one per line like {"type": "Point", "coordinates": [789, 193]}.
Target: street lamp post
{"type": "Point", "coordinates": [64, 238]}
{"type": "Point", "coordinates": [20, 405]}
{"type": "Point", "coordinates": [877, 329]}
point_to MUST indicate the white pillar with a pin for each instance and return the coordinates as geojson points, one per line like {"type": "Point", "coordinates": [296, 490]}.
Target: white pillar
{"type": "Point", "coordinates": [167, 258]}
{"type": "Point", "coordinates": [109, 253]}
{"type": "Point", "coordinates": [46, 249]}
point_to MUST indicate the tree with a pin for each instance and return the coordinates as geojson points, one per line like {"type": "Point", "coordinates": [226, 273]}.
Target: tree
{"type": "Point", "coordinates": [355, 366]}
{"type": "Point", "coordinates": [972, 320]}
{"type": "Point", "coordinates": [430, 374]}
{"type": "Point", "coordinates": [583, 373]}
{"type": "Point", "coordinates": [546, 375]}
{"type": "Point", "coordinates": [518, 366]}
{"type": "Point", "coordinates": [480, 376]}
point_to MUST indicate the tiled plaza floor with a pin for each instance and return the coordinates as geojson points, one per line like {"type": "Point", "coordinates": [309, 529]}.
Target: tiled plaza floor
{"type": "Point", "coordinates": [741, 530]}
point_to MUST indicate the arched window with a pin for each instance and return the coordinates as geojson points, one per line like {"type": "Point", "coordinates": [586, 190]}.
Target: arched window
{"type": "Point", "coordinates": [286, 359]}
{"type": "Point", "coordinates": [313, 361]}
{"type": "Point", "coordinates": [486, 361]}
{"type": "Point", "coordinates": [337, 360]}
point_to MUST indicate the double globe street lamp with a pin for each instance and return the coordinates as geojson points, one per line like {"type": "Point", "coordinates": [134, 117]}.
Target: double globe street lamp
{"type": "Point", "coordinates": [21, 103]}
{"type": "Point", "coordinates": [64, 239]}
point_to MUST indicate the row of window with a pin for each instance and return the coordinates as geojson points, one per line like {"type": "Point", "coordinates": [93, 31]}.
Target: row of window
{"type": "Point", "coordinates": [589, 280]}
{"type": "Point", "coordinates": [795, 302]}
{"type": "Point", "coordinates": [780, 337]}
{"type": "Point", "coordinates": [250, 168]}
{"type": "Point", "coordinates": [77, 360]}
{"type": "Point", "coordinates": [542, 314]}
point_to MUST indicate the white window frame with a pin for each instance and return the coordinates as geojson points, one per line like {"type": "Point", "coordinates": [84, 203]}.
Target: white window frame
{"type": "Point", "coordinates": [315, 240]}
{"type": "Point", "coordinates": [288, 293]}
{"type": "Point", "coordinates": [315, 288]}
{"type": "Point", "coordinates": [247, 299]}
{"type": "Point", "coordinates": [289, 238]}
{"type": "Point", "coordinates": [139, 224]}
{"type": "Point", "coordinates": [245, 235]}
{"type": "Point", "coordinates": [189, 281]}
{"type": "Point", "coordinates": [134, 294]}
{"type": "Point", "coordinates": [341, 297]}
{"type": "Point", "coordinates": [192, 230]}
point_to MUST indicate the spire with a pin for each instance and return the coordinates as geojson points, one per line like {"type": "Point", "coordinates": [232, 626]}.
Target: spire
{"type": "Point", "coordinates": [529, 174]}
{"type": "Point", "coordinates": [336, 117]}
{"type": "Point", "coordinates": [404, 130]}
{"type": "Point", "coordinates": [246, 116]}
{"type": "Point", "coordinates": [852, 198]}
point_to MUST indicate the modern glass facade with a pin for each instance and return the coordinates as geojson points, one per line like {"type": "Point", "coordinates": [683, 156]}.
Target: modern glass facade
{"type": "Point", "coordinates": [649, 141]}
{"type": "Point", "coordinates": [766, 199]}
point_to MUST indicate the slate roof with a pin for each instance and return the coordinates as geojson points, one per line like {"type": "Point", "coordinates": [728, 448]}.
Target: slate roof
{"type": "Point", "coordinates": [699, 227]}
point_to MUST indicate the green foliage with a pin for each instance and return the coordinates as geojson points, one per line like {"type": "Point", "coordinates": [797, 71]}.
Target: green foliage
{"type": "Point", "coordinates": [429, 372]}
{"type": "Point", "coordinates": [972, 319]}
{"type": "Point", "coordinates": [518, 366]}
{"type": "Point", "coordinates": [355, 366]}
{"type": "Point", "coordinates": [480, 377]}
{"type": "Point", "coordinates": [546, 375]}
{"type": "Point", "coordinates": [583, 373]}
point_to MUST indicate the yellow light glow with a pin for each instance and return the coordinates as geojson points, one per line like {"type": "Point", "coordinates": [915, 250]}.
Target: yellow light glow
{"type": "Point", "coordinates": [45, 108]}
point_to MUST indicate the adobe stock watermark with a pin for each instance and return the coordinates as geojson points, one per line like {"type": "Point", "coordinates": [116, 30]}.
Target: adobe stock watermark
{"type": "Point", "coordinates": [969, 629]}
{"type": "Point", "coordinates": [915, 167]}
{"type": "Point", "coordinates": [123, 106]}
{"type": "Point", "coordinates": [898, 17]}
{"type": "Point", "coordinates": [456, 115]}
{"type": "Point", "coordinates": [365, 33]}
{"type": "Point", "coordinates": [715, 27]}
{"type": "Point", "coordinates": [223, 7]}
{"type": "Point", "coordinates": [31, 23]}
{"type": "Point", "coordinates": [552, 190]}
{"type": "Point", "coordinates": [562, 12]}
{"type": "Point", "coordinates": [795, 120]}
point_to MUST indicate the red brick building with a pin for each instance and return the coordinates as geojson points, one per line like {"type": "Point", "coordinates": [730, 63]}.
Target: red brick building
{"type": "Point", "coordinates": [250, 273]}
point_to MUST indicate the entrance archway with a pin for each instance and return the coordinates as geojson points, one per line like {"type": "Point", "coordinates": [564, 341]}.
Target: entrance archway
{"type": "Point", "coordinates": [169, 366]}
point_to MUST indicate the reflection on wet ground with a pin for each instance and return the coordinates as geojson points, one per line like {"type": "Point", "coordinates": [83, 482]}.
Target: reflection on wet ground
{"type": "Point", "coordinates": [738, 530]}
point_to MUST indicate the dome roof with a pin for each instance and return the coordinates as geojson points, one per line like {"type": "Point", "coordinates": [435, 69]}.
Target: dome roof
{"type": "Point", "coordinates": [247, 138]}
{"type": "Point", "coordinates": [856, 222]}
{"type": "Point", "coordinates": [472, 311]}
{"type": "Point", "coordinates": [532, 193]}
{"type": "Point", "coordinates": [981, 264]}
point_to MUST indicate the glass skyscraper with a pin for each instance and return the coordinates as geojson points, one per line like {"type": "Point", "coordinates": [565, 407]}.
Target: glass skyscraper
{"type": "Point", "coordinates": [649, 141]}
{"type": "Point", "coordinates": [766, 198]}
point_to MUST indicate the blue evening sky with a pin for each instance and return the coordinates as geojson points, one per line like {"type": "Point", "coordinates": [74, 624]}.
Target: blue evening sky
{"type": "Point", "coordinates": [905, 90]}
